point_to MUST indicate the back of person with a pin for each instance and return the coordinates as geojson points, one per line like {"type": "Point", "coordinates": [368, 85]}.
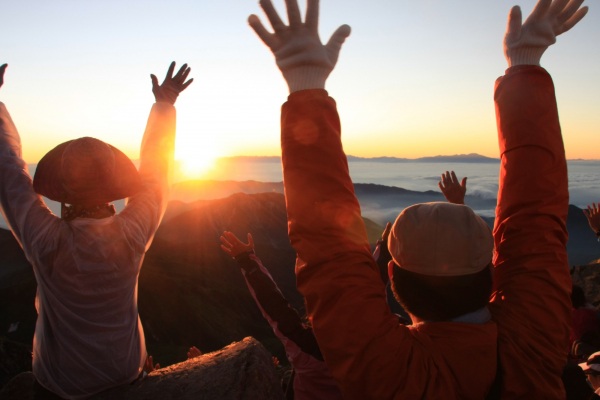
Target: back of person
{"type": "Point", "coordinates": [88, 336]}
{"type": "Point", "coordinates": [367, 351]}
{"type": "Point", "coordinates": [88, 288]}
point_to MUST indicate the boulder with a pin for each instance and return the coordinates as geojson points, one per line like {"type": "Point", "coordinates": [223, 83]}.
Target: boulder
{"type": "Point", "coordinates": [242, 370]}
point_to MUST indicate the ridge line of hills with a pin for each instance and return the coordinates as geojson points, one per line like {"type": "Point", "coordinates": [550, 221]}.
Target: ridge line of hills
{"type": "Point", "coordinates": [191, 293]}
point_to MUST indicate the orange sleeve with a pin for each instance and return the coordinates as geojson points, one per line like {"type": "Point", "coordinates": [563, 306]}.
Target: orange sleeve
{"type": "Point", "coordinates": [336, 272]}
{"type": "Point", "coordinates": [531, 299]}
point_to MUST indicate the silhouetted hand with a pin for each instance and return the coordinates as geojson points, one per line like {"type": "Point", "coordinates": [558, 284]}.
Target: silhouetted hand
{"type": "Point", "coordinates": [193, 352]}
{"type": "Point", "coordinates": [149, 365]}
{"type": "Point", "coordinates": [453, 191]}
{"type": "Point", "coordinates": [2, 69]}
{"type": "Point", "coordinates": [382, 254]}
{"type": "Point", "coordinates": [303, 60]}
{"type": "Point", "coordinates": [172, 85]}
{"type": "Point", "coordinates": [524, 43]}
{"type": "Point", "coordinates": [233, 246]}
{"type": "Point", "coordinates": [386, 233]}
{"type": "Point", "coordinates": [593, 216]}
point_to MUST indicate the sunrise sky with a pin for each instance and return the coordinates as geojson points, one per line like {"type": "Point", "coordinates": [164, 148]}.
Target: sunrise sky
{"type": "Point", "coordinates": [414, 79]}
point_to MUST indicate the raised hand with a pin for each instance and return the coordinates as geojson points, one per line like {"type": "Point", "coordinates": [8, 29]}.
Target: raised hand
{"type": "Point", "coordinates": [386, 233]}
{"type": "Point", "coordinates": [2, 69]}
{"type": "Point", "coordinates": [524, 43]}
{"type": "Point", "coordinates": [149, 365]}
{"type": "Point", "coordinates": [193, 352]}
{"type": "Point", "coordinates": [593, 216]}
{"type": "Point", "coordinates": [453, 191]}
{"type": "Point", "coordinates": [172, 85]}
{"type": "Point", "coordinates": [233, 246]}
{"type": "Point", "coordinates": [303, 60]}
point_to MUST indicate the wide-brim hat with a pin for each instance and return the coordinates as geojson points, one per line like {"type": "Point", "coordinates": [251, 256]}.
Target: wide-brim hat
{"type": "Point", "coordinates": [86, 171]}
{"type": "Point", "coordinates": [441, 239]}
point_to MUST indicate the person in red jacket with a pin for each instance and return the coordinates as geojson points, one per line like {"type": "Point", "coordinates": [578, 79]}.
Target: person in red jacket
{"type": "Point", "coordinates": [456, 342]}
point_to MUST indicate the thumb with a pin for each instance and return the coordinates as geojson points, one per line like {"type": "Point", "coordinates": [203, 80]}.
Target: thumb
{"type": "Point", "coordinates": [2, 69]}
{"type": "Point", "coordinates": [513, 28]}
{"type": "Point", "coordinates": [154, 81]}
{"type": "Point", "coordinates": [338, 38]}
{"type": "Point", "coordinates": [463, 183]}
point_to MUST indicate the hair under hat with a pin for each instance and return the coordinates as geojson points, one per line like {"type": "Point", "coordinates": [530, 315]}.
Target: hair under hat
{"type": "Point", "coordinates": [440, 239]}
{"type": "Point", "coordinates": [86, 171]}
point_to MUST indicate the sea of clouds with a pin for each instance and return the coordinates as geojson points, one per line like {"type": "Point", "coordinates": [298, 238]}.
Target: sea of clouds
{"type": "Point", "coordinates": [482, 182]}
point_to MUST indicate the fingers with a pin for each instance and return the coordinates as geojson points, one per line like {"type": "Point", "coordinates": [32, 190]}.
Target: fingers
{"type": "Point", "coordinates": [182, 73]}
{"type": "Point", "coordinates": [386, 231]}
{"type": "Point", "coordinates": [272, 15]}
{"type": "Point", "coordinates": [154, 81]}
{"type": "Point", "coordinates": [312, 14]}
{"type": "Point", "coordinates": [226, 246]}
{"type": "Point", "coordinates": [571, 22]}
{"type": "Point", "coordinates": [444, 180]}
{"type": "Point", "coordinates": [454, 178]}
{"type": "Point", "coordinates": [336, 41]}
{"type": "Point", "coordinates": [250, 241]}
{"type": "Point", "coordinates": [558, 6]}
{"type": "Point", "coordinates": [540, 9]}
{"type": "Point", "coordinates": [185, 85]}
{"type": "Point", "coordinates": [170, 71]}
{"type": "Point", "coordinates": [293, 12]}
{"type": "Point", "coordinates": [260, 30]}
{"type": "Point", "coordinates": [515, 22]}
{"type": "Point", "coordinates": [463, 183]}
{"type": "Point", "coordinates": [2, 69]}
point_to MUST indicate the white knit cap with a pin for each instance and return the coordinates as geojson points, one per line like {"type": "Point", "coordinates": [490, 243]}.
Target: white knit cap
{"type": "Point", "coordinates": [441, 239]}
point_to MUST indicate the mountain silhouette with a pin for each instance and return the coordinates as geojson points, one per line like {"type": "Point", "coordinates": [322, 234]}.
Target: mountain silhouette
{"type": "Point", "coordinates": [192, 293]}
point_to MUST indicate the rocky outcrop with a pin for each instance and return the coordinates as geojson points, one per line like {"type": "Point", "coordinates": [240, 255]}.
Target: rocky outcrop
{"type": "Point", "coordinates": [242, 370]}
{"type": "Point", "coordinates": [588, 278]}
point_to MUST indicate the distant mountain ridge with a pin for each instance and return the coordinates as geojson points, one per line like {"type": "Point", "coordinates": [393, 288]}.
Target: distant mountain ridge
{"type": "Point", "coordinates": [456, 158]}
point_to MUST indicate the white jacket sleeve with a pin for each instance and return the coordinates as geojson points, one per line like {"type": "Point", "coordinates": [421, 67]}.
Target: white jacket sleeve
{"type": "Point", "coordinates": [22, 208]}
{"type": "Point", "coordinates": [145, 210]}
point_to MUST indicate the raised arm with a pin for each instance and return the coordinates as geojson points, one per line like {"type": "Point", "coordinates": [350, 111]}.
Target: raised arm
{"type": "Point", "coordinates": [335, 271]}
{"type": "Point", "coordinates": [158, 144]}
{"type": "Point", "coordinates": [157, 153]}
{"type": "Point", "coordinates": [453, 190]}
{"type": "Point", "coordinates": [531, 302]}
{"type": "Point", "coordinates": [284, 320]}
{"type": "Point", "coordinates": [26, 214]}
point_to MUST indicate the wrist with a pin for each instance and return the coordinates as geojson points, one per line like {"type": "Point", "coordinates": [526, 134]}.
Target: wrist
{"type": "Point", "coordinates": [524, 56]}
{"type": "Point", "coordinates": [304, 78]}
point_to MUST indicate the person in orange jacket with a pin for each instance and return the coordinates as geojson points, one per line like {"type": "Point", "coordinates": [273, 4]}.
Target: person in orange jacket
{"type": "Point", "coordinates": [443, 254]}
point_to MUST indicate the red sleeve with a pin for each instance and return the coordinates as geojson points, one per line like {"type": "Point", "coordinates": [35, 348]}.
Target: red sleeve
{"type": "Point", "coordinates": [531, 300]}
{"type": "Point", "coordinates": [360, 339]}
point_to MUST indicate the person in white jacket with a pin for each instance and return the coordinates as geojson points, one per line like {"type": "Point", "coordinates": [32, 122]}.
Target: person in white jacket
{"type": "Point", "coordinates": [88, 335]}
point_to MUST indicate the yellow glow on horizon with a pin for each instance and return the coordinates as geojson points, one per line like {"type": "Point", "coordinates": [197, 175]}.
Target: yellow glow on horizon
{"type": "Point", "coordinates": [196, 161]}
{"type": "Point", "coordinates": [193, 165]}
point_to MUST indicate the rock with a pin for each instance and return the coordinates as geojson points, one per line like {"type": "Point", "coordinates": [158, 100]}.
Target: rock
{"type": "Point", "coordinates": [242, 370]}
{"type": "Point", "coordinates": [588, 278]}
{"type": "Point", "coordinates": [20, 387]}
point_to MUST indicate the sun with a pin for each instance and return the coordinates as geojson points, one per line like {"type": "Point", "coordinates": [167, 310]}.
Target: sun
{"type": "Point", "coordinates": [195, 162]}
